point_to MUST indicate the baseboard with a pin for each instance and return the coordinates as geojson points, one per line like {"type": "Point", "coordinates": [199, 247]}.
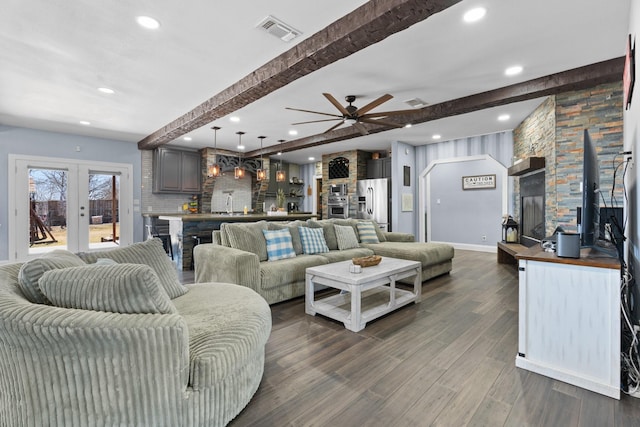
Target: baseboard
{"type": "Point", "coordinates": [468, 247]}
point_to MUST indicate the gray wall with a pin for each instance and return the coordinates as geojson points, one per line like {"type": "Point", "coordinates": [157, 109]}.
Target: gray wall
{"type": "Point", "coordinates": [15, 140]}
{"type": "Point", "coordinates": [631, 143]}
{"type": "Point", "coordinates": [403, 154]}
{"type": "Point", "coordinates": [498, 145]}
{"type": "Point", "coordinates": [465, 216]}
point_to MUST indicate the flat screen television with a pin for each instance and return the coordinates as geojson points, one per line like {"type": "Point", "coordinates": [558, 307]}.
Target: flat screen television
{"type": "Point", "coordinates": [590, 218]}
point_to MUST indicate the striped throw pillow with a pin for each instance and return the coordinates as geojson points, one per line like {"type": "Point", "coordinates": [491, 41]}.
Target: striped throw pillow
{"type": "Point", "coordinates": [312, 240]}
{"type": "Point", "coordinates": [346, 237]}
{"type": "Point", "coordinates": [367, 232]}
{"type": "Point", "coordinates": [279, 244]}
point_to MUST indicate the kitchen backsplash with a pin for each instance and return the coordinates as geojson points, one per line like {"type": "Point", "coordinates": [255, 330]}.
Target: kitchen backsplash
{"type": "Point", "coordinates": [241, 193]}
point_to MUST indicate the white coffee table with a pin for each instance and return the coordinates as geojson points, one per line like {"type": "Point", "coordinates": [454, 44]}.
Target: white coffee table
{"type": "Point", "coordinates": [376, 284]}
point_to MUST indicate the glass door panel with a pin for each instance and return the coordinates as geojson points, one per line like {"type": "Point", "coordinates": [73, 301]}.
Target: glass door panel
{"type": "Point", "coordinates": [104, 214]}
{"type": "Point", "coordinates": [47, 209]}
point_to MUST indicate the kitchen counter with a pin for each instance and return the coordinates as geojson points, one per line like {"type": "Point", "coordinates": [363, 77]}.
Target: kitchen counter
{"type": "Point", "coordinates": [187, 230]}
{"type": "Point", "coordinates": [236, 217]}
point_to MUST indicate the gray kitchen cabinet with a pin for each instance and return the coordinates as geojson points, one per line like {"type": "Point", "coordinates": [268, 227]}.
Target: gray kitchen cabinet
{"type": "Point", "coordinates": [176, 171]}
{"type": "Point", "coordinates": [379, 168]}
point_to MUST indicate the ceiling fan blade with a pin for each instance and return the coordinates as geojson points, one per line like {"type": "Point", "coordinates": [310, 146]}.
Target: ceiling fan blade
{"type": "Point", "coordinates": [314, 112]}
{"type": "Point", "coordinates": [387, 113]}
{"type": "Point", "coordinates": [381, 122]}
{"type": "Point", "coordinates": [316, 121]}
{"type": "Point", "coordinates": [336, 104]}
{"type": "Point", "coordinates": [363, 130]}
{"type": "Point", "coordinates": [334, 126]}
{"type": "Point", "coordinates": [373, 104]}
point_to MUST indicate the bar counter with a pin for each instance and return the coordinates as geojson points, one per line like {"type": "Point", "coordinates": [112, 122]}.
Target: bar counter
{"type": "Point", "coordinates": [188, 229]}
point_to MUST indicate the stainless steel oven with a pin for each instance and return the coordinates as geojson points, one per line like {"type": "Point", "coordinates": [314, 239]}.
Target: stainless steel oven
{"type": "Point", "coordinates": [338, 206]}
{"type": "Point", "coordinates": [337, 190]}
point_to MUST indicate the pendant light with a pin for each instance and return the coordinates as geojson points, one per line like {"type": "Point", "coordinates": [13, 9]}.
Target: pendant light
{"type": "Point", "coordinates": [280, 175]}
{"type": "Point", "coordinates": [261, 174]}
{"type": "Point", "coordinates": [213, 170]}
{"type": "Point", "coordinates": [238, 171]}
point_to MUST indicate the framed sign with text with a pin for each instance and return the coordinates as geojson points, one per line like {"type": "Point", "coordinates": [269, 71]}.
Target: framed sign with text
{"type": "Point", "coordinates": [478, 182]}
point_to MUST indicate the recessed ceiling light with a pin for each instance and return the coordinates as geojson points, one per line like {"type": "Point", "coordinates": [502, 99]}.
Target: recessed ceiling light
{"type": "Point", "coordinates": [512, 71]}
{"type": "Point", "coordinates": [408, 125]}
{"type": "Point", "coordinates": [312, 159]}
{"type": "Point", "coordinates": [436, 136]}
{"type": "Point", "coordinates": [504, 117]}
{"type": "Point", "coordinates": [240, 147]}
{"type": "Point", "coordinates": [293, 132]}
{"type": "Point", "coordinates": [474, 15]}
{"type": "Point", "coordinates": [187, 138]}
{"type": "Point", "coordinates": [84, 122]}
{"type": "Point", "coordinates": [106, 90]}
{"type": "Point", "coordinates": [148, 22]}
{"type": "Point", "coordinates": [234, 119]}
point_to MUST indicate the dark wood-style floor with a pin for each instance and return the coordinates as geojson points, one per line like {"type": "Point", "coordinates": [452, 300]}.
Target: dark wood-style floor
{"type": "Point", "coordinates": [448, 361]}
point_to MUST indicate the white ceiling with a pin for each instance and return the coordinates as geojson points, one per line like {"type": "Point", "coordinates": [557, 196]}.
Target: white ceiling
{"type": "Point", "coordinates": [54, 55]}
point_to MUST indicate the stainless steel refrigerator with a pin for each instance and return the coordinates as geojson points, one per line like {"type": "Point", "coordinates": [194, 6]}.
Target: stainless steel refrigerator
{"type": "Point", "coordinates": [373, 201]}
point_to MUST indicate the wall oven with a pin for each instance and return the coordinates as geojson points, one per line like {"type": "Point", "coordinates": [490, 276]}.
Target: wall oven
{"type": "Point", "coordinates": [338, 206]}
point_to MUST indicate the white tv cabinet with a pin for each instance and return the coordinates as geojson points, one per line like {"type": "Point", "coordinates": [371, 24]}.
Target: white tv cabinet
{"type": "Point", "coordinates": [569, 319]}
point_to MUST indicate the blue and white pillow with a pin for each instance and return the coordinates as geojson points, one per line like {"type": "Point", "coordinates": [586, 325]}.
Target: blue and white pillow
{"type": "Point", "coordinates": [279, 244]}
{"type": "Point", "coordinates": [367, 232]}
{"type": "Point", "coordinates": [313, 240]}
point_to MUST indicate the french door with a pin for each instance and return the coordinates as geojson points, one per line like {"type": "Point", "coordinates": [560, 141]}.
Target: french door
{"type": "Point", "coordinates": [68, 204]}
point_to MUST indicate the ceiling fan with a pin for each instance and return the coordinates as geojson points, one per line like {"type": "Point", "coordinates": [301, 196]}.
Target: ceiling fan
{"type": "Point", "coordinates": [355, 116]}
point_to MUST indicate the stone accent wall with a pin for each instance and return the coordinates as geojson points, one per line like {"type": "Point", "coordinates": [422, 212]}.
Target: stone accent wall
{"type": "Point", "coordinates": [357, 170]}
{"type": "Point", "coordinates": [555, 130]}
{"type": "Point", "coordinates": [536, 137]}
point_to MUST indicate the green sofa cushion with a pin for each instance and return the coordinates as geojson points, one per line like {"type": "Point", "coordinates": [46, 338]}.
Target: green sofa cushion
{"type": "Point", "coordinates": [32, 270]}
{"type": "Point", "coordinates": [118, 288]}
{"type": "Point", "coordinates": [427, 253]}
{"type": "Point", "coordinates": [287, 271]}
{"type": "Point", "coordinates": [248, 237]}
{"type": "Point", "coordinates": [151, 253]}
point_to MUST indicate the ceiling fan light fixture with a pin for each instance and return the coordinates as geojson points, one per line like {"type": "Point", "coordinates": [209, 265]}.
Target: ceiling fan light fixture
{"type": "Point", "coordinates": [350, 121]}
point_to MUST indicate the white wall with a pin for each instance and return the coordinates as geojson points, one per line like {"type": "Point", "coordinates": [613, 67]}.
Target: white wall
{"type": "Point", "coordinates": [15, 140]}
{"type": "Point", "coordinates": [631, 143]}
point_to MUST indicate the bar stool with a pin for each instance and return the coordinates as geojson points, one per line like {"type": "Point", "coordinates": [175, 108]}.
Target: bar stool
{"type": "Point", "coordinates": [152, 231]}
{"type": "Point", "coordinates": [200, 238]}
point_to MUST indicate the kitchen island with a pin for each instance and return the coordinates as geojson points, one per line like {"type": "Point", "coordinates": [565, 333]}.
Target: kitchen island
{"type": "Point", "coordinates": [187, 230]}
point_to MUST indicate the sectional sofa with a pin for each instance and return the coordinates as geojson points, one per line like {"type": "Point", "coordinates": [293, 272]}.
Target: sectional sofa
{"type": "Point", "coordinates": [113, 338]}
{"type": "Point", "coordinates": [239, 254]}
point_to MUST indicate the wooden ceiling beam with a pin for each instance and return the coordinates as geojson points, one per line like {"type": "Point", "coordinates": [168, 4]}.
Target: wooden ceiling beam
{"type": "Point", "coordinates": [370, 23]}
{"type": "Point", "coordinates": [576, 79]}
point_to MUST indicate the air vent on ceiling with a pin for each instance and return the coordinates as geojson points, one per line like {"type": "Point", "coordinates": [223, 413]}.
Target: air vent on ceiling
{"type": "Point", "coordinates": [278, 28]}
{"type": "Point", "coordinates": [416, 102]}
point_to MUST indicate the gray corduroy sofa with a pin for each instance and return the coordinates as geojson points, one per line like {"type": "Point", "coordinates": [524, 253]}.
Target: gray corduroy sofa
{"type": "Point", "coordinates": [238, 255]}
{"type": "Point", "coordinates": [125, 343]}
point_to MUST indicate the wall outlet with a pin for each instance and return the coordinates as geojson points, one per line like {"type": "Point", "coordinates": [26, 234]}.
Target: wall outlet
{"type": "Point", "coordinates": [484, 238]}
